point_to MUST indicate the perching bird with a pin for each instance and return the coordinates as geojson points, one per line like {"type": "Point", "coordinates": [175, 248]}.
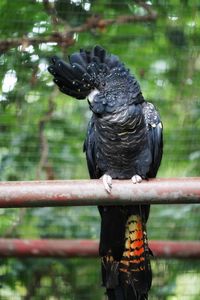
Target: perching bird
{"type": "Point", "coordinates": [123, 141]}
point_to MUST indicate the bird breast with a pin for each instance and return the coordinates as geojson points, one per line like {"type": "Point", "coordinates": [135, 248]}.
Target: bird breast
{"type": "Point", "coordinates": [119, 137]}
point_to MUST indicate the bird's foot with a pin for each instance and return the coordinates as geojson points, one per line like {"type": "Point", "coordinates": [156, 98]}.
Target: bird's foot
{"type": "Point", "coordinates": [136, 179]}
{"type": "Point", "coordinates": [107, 182]}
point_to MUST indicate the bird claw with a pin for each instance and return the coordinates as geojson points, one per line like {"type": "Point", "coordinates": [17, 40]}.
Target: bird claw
{"type": "Point", "coordinates": [107, 182]}
{"type": "Point", "coordinates": [136, 179]}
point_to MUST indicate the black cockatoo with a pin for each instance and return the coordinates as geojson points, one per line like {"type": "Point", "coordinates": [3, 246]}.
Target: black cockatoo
{"type": "Point", "coordinates": [123, 141]}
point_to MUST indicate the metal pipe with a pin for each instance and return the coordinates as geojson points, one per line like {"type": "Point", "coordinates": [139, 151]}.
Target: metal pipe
{"type": "Point", "coordinates": [89, 248]}
{"type": "Point", "coordinates": [92, 192]}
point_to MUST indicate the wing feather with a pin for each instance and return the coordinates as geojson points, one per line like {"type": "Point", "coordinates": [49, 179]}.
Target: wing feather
{"type": "Point", "coordinates": [89, 149]}
{"type": "Point", "coordinates": [155, 136]}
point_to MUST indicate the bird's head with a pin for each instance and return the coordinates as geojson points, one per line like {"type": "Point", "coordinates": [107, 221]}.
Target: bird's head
{"type": "Point", "coordinates": [115, 89]}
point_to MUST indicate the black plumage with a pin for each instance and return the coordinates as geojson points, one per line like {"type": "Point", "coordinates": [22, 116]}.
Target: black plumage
{"type": "Point", "coordinates": [123, 141]}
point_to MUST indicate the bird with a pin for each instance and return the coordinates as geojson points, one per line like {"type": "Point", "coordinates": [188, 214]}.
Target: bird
{"type": "Point", "coordinates": [124, 140]}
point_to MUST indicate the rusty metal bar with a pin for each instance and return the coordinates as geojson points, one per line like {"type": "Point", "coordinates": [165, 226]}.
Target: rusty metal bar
{"type": "Point", "coordinates": [89, 248]}
{"type": "Point", "coordinates": [92, 192]}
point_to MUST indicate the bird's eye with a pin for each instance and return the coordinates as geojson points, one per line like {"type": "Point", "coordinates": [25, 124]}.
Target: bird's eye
{"type": "Point", "coordinates": [103, 83]}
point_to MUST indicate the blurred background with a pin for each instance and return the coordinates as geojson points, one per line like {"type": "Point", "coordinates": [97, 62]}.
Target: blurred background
{"type": "Point", "coordinates": [42, 131]}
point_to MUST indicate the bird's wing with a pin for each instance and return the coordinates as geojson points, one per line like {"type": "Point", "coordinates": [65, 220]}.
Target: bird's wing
{"type": "Point", "coordinates": [155, 135]}
{"type": "Point", "coordinates": [89, 149]}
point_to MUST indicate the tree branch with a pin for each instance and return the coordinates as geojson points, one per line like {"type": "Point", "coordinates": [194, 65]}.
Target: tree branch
{"type": "Point", "coordinates": [63, 39]}
{"type": "Point", "coordinates": [11, 231]}
{"type": "Point", "coordinates": [50, 9]}
{"type": "Point", "coordinates": [44, 146]}
{"type": "Point", "coordinates": [146, 7]}
{"type": "Point", "coordinates": [66, 39]}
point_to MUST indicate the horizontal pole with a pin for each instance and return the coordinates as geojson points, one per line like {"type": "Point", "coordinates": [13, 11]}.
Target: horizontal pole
{"type": "Point", "coordinates": [92, 192]}
{"type": "Point", "coordinates": [89, 248]}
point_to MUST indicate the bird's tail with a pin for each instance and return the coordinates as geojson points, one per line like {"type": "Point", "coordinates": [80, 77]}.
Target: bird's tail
{"type": "Point", "coordinates": [83, 71]}
{"type": "Point", "coordinates": [130, 278]}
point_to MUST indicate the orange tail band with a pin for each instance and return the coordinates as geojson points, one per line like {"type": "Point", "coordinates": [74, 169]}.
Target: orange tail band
{"type": "Point", "coordinates": [136, 246]}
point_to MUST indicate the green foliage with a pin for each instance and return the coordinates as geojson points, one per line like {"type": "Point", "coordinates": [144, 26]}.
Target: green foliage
{"type": "Point", "coordinates": [164, 56]}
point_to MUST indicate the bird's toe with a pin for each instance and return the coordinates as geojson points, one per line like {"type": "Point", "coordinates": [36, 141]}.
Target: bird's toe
{"type": "Point", "coordinates": [107, 182]}
{"type": "Point", "coordinates": [136, 179]}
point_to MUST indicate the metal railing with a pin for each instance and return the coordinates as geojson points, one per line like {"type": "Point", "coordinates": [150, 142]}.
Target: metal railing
{"type": "Point", "coordinates": [92, 192]}
{"type": "Point", "coordinates": [89, 248]}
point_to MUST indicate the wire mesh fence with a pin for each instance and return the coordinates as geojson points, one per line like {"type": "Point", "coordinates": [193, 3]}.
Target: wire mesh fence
{"type": "Point", "coordinates": [42, 131]}
{"type": "Point", "coordinates": [60, 279]}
